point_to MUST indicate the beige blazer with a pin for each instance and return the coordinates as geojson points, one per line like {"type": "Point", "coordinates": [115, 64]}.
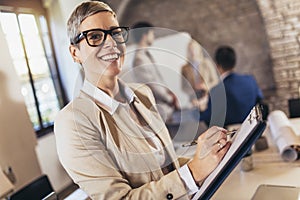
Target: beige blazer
{"type": "Point", "coordinates": [106, 159]}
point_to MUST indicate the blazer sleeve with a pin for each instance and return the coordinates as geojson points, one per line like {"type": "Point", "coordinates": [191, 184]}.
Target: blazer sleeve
{"type": "Point", "coordinates": [259, 94]}
{"type": "Point", "coordinates": [83, 154]}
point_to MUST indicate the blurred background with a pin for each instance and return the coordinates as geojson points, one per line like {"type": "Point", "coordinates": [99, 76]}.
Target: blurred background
{"type": "Point", "coordinates": [38, 76]}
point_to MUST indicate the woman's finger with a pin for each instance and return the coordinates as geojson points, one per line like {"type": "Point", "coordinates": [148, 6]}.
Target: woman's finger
{"type": "Point", "coordinates": [220, 145]}
{"type": "Point", "coordinates": [213, 131]}
{"type": "Point", "coordinates": [223, 151]}
{"type": "Point", "coordinates": [219, 135]}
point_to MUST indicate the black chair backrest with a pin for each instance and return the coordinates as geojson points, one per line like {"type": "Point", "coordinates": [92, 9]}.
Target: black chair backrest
{"type": "Point", "coordinates": [294, 107]}
{"type": "Point", "coordinates": [36, 190]}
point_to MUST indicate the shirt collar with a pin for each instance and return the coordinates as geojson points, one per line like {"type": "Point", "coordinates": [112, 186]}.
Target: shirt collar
{"type": "Point", "coordinates": [225, 75]}
{"type": "Point", "coordinates": [103, 99]}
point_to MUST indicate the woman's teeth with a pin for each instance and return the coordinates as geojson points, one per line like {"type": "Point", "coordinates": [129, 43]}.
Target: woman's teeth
{"type": "Point", "coordinates": [110, 57]}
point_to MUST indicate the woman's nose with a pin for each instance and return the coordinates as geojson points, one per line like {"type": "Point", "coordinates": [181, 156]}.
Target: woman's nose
{"type": "Point", "coordinates": [110, 41]}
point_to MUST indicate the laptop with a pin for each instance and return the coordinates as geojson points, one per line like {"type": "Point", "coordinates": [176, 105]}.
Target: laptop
{"type": "Point", "coordinates": [51, 196]}
{"type": "Point", "coordinates": [276, 192]}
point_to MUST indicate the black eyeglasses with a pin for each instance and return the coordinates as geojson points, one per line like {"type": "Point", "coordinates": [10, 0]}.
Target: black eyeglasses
{"type": "Point", "coordinates": [96, 37]}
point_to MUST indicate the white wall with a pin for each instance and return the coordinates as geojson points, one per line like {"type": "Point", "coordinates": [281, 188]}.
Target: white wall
{"type": "Point", "coordinates": [17, 137]}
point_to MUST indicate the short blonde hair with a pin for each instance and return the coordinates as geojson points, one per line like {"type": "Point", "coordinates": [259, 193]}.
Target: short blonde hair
{"type": "Point", "coordinates": [83, 11]}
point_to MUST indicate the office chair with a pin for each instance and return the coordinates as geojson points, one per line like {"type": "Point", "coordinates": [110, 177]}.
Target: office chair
{"type": "Point", "coordinates": [294, 107]}
{"type": "Point", "coordinates": [39, 189]}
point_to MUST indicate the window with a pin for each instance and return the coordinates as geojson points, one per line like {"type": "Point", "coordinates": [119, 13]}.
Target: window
{"type": "Point", "coordinates": [30, 48]}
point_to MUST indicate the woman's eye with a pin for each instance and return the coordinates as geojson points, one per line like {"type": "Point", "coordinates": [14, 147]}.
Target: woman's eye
{"type": "Point", "coordinates": [95, 36]}
{"type": "Point", "coordinates": [117, 33]}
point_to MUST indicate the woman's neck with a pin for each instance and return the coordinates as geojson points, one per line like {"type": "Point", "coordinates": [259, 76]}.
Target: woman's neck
{"type": "Point", "coordinates": [109, 85]}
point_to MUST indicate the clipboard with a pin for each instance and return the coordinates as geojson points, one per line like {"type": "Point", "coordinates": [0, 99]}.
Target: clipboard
{"type": "Point", "coordinates": [250, 130]}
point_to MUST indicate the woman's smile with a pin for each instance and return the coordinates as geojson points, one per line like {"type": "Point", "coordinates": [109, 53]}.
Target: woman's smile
{"type": "Point", "coordinates": [110, 57]}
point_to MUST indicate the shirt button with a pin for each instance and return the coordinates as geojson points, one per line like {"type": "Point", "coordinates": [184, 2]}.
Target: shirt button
{"type": "Point", "coordinates": [169, 196]}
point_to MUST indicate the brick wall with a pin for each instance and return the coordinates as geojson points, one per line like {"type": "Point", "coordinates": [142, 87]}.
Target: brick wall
{"type": "Point", "coordinates": [282, 24]}
{"type": "Point", "coordinates": [264, 33]}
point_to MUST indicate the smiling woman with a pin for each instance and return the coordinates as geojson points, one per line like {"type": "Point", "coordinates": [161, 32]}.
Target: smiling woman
{"type": "Point", "coordinates": [111, 139]}
{"type": "Point", "coordinates": [110, 47]}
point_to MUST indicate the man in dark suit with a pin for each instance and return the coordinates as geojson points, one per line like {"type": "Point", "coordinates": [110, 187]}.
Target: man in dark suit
{"type": "Point", "coordinates": [232, 99]}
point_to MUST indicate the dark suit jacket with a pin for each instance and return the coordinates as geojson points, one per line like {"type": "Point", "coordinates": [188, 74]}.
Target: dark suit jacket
{"type": "Point", "coordinates": [231, 100]}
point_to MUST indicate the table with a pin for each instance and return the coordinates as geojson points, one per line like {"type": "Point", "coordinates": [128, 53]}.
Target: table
{"type": "Point", "coordinates": [269, 168]}
{"type": "Point", "coordinates": [78, 194]}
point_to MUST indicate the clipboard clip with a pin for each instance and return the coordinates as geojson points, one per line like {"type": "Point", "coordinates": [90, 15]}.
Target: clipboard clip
{"type": "Point", "coordinates": [255, 114]}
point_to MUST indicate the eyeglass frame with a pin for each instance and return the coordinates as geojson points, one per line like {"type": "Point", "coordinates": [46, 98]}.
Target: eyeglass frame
{"type": "Point", "coordinates": [83, 35]}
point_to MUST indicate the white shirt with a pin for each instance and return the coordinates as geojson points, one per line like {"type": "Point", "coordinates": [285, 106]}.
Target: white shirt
{"type": "Point", "coordinates": [111, 106]}
{"type": "Point", "coordinates": [225, 74]}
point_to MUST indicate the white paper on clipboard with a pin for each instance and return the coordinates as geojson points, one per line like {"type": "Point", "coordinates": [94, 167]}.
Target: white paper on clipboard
{"type": "Point", "coordinates": [247, 128]}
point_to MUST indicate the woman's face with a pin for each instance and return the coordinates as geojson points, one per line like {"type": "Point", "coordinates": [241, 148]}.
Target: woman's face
{"type": "Point", "coordinates": [104, 61]}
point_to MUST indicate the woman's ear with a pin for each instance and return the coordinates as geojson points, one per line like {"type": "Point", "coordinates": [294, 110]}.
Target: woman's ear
{"type": "Point", "coordinates": [74, 51]}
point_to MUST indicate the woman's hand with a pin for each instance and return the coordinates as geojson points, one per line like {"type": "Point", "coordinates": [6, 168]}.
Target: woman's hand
{"type": "Point", "coordinates": [211, 148]}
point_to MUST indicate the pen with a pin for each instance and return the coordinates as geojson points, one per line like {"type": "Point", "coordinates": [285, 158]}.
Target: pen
{"type": "Point", "coordinates": [194, 142]}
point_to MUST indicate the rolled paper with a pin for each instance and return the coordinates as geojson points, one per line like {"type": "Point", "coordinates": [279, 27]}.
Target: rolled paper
{"type": "Point", "coordinates": [284, 136]}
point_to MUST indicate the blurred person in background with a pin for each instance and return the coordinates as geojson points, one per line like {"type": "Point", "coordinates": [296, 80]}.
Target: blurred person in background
{"type": "Point", "coordinates": [199, 75]}
{"type": "Point", "coordinates": [146, 70]}
{"type": "Point", "coordinates": [241, 91]}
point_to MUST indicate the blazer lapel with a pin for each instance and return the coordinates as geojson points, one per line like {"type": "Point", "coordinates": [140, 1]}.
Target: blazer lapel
{"type": "Point", "coordinates": [155, 121]}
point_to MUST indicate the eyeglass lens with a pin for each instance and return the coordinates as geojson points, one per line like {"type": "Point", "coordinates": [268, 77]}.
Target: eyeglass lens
{"type": "Point", "coordinates": [97, 37]}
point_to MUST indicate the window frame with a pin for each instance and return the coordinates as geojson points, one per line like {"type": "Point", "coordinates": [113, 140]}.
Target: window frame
{"type": "Point", "coordinates": [53, 66]}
